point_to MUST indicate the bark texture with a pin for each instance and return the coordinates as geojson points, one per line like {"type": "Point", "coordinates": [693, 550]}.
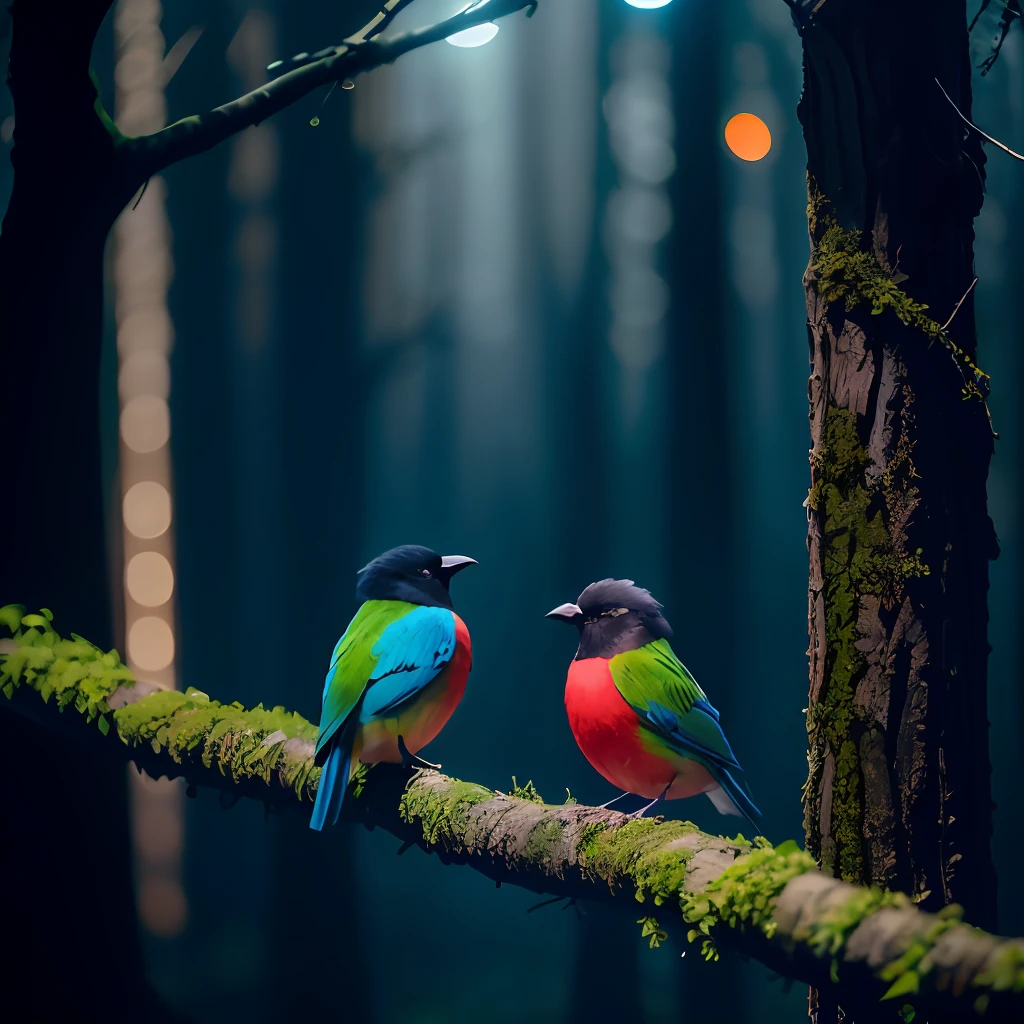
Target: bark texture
{"type": "Point", "coordinates": [899, 537]}
{"type": "Point", "coordinates": [857, 944]}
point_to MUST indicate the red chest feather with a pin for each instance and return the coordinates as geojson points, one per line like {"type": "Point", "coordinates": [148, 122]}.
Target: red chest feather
{"type": "Point", "coordinates": [607, 731]}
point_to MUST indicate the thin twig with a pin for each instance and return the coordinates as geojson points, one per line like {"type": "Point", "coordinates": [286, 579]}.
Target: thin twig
{"type": "Point", "coordinates": [179, 51]}
{"type": "Point", "coordinates": [193, 135]}
{"type": "Point", "coordinates": [967, 121]}
{"type": "Point", "coordinates": [956, 308]}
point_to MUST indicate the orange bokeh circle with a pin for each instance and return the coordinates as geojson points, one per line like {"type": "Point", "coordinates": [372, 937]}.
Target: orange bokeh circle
{"type": "Point", "coordinates": [748, 137]}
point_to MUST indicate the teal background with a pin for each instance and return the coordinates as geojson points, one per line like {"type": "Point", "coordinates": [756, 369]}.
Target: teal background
{"type": "Point", "coordinates": [440, 359]}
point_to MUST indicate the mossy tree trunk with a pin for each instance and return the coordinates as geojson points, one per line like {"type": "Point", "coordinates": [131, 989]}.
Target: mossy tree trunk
{"type": "Point", "coordinates": [899, 537]}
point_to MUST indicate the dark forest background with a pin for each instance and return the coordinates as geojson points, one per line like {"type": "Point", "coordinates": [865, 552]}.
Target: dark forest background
{"type": "Point", "coordinates": [521, 303]}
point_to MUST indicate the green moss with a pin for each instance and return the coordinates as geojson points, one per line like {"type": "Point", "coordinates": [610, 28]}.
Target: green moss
{"type": "Point", "coordinates": [586, 847]}
{"type": "Point", "coordinates": [442, 813]}
{"type": "Point", "coordinates": [72, 672]}
{"type": "Point", "coordinates": [76, 672]}
{"type": "Point", "coordinates": [845, 272]}
{"type": "Point", "coordinates": [543, 838]}
{"type": "Point", "coordinates": [527, 792]}
{"type": "Point", "coordinates": [1004, 974]}
{"type": "Point", "coordinates": [242, 744]}
{"type": "Point", "coordinates": [637, 850]}
{"type": "Point", "coordinates": [744, 895]}
{"type": "Point", "coordinates": [864, 553]}
{"type": "Point", "coordinates": [650, 929]}
{"type": "Point", "coordinates": [829, 936]}
{"type": "Point", "coordinates": [101, 112]}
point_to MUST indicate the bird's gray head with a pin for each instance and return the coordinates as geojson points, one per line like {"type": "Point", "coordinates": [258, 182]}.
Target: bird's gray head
{"type": "Point", "coordinates": [410, 573]}
{"type": "Point", "coordinates": [613, 616]}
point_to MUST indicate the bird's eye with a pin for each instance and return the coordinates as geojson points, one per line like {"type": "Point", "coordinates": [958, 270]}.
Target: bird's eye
{"type": "Point", "coordinates": [424, 572]}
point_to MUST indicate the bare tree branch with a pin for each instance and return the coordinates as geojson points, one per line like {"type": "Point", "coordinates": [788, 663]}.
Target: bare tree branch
{"type": "Point", "coordinates": [770, 904]}
{"type": "Point", "coordinates": [358, 54]}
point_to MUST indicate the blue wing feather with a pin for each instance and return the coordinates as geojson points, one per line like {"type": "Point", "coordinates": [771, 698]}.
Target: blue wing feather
{"type": "Point", "coordinates": [697, 732]}
{"type": "Point", "coordinates": [410, 653]}
{"type": "Point", "coordinates": [699, 736]}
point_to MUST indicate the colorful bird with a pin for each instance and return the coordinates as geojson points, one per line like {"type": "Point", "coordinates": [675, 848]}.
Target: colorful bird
{"type": "Point", "coordinates": [637, 714]}
{"type": "Point", "coordinates": [396, 675]}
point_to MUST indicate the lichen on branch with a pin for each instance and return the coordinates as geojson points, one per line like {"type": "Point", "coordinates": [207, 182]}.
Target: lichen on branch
{"type": "Point", "coordinates": [766, 902]}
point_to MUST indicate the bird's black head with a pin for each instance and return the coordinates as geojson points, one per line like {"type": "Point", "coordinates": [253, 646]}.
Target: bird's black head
{"type": "Point", "coordinates": [410, 573]}
{"type": "Point", "coordinates": [613, 616]}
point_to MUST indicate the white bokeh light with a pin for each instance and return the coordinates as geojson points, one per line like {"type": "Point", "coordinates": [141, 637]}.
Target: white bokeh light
{"type": "Point", "coordinates": [475, 36]}
{"type": "Point", "coordinates": [648, 5]}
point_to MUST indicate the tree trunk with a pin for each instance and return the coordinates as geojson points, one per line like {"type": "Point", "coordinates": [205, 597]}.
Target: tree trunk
{"type": "Point", "coordinates": [51, 297]}
{"type": "Point", "coordinates": [899, 536]}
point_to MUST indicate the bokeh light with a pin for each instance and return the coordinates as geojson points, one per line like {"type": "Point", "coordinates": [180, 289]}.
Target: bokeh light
{"type": "Point", "coordinates": [648, 5]}
{"type": "Point", "coordinates": [147, 509]}
{"type": "Point", "coordinates": [475, 36]}
{"type": "Point", "coordinates": [150, 579]}
{"type": "Point", "coordinates": [150, 644]}
{"type": "Point", "coordinates": [145, 423]}
{"type": "Point", "coordinates": [748, 137]}
{"type": "Point", "coordinates": [144, 373]}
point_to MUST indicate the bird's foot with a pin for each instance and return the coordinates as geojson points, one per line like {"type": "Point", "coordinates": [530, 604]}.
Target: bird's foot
{"type": "Point", "coordinates": [411, 760]}
{"type": "Point", "coordinates": [614, 800]}
{"type": "Point", "coordinates": [636, 815]}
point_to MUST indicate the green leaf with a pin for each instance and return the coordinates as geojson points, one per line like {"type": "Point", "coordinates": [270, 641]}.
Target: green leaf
{"type": "Point", "coordinates": [34, 620]}
{"type": "Point", "coordinates": [10, 616]}
{"type": "Point", "coordinates": [103, 724]}
{"type": "Point", "coordinates": [908, 983]}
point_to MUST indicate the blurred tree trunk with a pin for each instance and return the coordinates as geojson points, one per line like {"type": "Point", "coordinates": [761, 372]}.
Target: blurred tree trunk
{"type": "Point", "coordinates": [69, 816]}
{"type": "Point", "coordinates": [323, 398]}
{"type": "Point", "coordinates": [899, 535]}
{"type": "Point", "coordinates": [606, 980]}
{"type": "Point", "coordinates": [701, 573]}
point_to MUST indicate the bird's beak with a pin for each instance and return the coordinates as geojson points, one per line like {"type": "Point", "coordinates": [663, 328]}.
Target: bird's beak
{"type": "Point", "coordinates": [566, 612]}
{"type": "Point", "coordinates": [451, 564]}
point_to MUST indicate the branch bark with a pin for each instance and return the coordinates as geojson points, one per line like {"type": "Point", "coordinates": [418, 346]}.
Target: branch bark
{"type": "Point", "coordinates": [358, 54]}
{"type": "Point", "coordinates": [857, 943]}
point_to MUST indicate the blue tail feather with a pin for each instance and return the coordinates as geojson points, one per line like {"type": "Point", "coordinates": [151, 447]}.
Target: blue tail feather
{"type": "Point", "coordinates": [737, 793]}
{"type": "Point", "coordinates": [333, 784]}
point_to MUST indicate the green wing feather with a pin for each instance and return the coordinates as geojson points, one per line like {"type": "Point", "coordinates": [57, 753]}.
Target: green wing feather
{"type": "Point", "coordinates": [353, 663]}
{"type": "Point", "coordinates": [670, 704]}
{"type": "Point", "coordinates": [653, 674]}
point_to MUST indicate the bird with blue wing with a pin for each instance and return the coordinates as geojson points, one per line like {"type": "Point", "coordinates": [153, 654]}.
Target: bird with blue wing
{"type": "Point", "coordinates": [638, 715]}
{"type": "Point", "coordinates": [397, 673]}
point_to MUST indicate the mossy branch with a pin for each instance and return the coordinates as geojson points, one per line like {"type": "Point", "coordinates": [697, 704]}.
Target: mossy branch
{"type": "Point", "coordinates": [767, 903]}
{"type": "Point", "coordinates": [363, 51]}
